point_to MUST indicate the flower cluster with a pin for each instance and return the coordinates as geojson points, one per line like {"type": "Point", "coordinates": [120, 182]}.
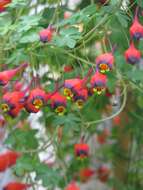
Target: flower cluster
{"type": "Point", "coordinates": [133, 55]}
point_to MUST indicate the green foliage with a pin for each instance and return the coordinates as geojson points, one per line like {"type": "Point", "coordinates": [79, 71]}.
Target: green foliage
{"type": "Point", "coordinates": [50, 177]}
{"type": "Point", "coordinates": [22, 140]}
{"type": "Point", "coordinates": [67, 37]}
{"type": "Point", "coordinates": [69, 121]}
{"type": "Point", "coordinates": [81, 16]}
{"type": "Point", "coordinates": [25, 164]}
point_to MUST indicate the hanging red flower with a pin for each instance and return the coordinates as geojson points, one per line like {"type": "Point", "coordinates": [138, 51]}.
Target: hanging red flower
{"type": "Point", "coordinates": [132, 55]}
{"type": "Point", "coordinates": [58, 103]}
{"type": "Point", "coordinates": [46, 35]}
{"type": "Point", "coordinates": [70, 85]}
{"type": "Point", "coordinates": [136, 30]}
{"type": "Point", "coordinates": [6, 76]}
{"type": "Point", "coordinates": [104, 62]}
{"type": "Point", "coordinates": [81, 150]}
{"type": "Point", "coordinates": [80, 96]}
{"type": "Point", "coordinates": [36, 100]}
{"type": "Point", "coordinates": [13, 103]}
{"type": "Point", "coordinates": [98, 83]}
{"type": "Point", "coordinates": [8, 159]}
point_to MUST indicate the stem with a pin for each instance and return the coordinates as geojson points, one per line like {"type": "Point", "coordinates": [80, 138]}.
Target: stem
{"type": "Point", "coordinates": [88, 124]}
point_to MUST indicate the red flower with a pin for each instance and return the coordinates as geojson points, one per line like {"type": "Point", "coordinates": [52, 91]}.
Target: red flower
{"type": "Point", "coordinates": [86, 173]}
{"type": "Point", "coordinates": [70, 86]}
{"type": "Point", "coordinates": [80, 96]}
{"type": "Point", "coordinates": [105, 62]}
{"type": "Point", "coordinates": [98, 83]}
{"type": "Point", "coordinates": [58, 103]}
{"type": "Point", "coordinates": [46, 35]}
{"type": "Point", "coordinates": [8, 159]}
{"type": "Point", "coordinates": [72, 186]}
{"type": "Point", "coordinates": [12, 157]}
{"type": "Point", "coordinates": [3, 162]}
{"type": "Point", "coordinates": [81, 150]}
{"type": "Point", "coordinates": [68, 68]}
{"type": "Point", "coordinates": [13, 102]}
{"type": "Point", "coordinates": [103, 173]}
{"type": "Point", "coordinates": [16, 186]}
{"type": "Point", "coordinates": [6, 76]}
{"type": "Point", "coordinates": [136, 30]}
{"type": "Point", "coordinates": [132, 55]}
{"type": "Point", "coordinates": [36, 100]}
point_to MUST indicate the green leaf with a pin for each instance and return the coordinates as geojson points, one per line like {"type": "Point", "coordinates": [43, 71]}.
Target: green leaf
{"type": "Point", "coordinates": [70, 120]}
{"type": "Point", "coordinates": [25, 164]}
{"type": "Point", "coordinates": [30, 37]}
{"type": "Point", "coordinates": [17, 56]}
{"type": "Point", "coordinates": [122, 18]}
{"type": "Point", "coordinates": [72, 31]}
{"type": "Point", "coordinates": [50, 177]}
{"type": "Point", "coordinates": [5, 24]}
{"type": "Point", "coordinates": [111, 82]}
{"type": "Point", "coordinates": [114, 2]}
{"type": "Point", "coordinates": [92, 114]}
{"type": "Point", "coordinates": [71, 43]}
{"type": "Point", "coordinates": [135, 75]}
{"type": "Point", "coordinates": [22, 139]}
{"type": "Point", "coordinates": [67, 37]}
{"type": "Point", "coordinates": [141, 44]}
{"type": "Point", "coordinates": [28, 22]}
{"type": "Point", "coordinates": [90, 10]}
{"type": "Point", "coordinates": [82, 16]}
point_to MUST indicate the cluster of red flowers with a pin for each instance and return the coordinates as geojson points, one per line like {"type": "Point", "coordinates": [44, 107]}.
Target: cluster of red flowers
{"type": "Point", "coordinates": [74, 89]}
{"type": "Point", "coordinates": [81, 150]}
{"type": "Point", "coordinates": [32, 100]}
{"type": "Point", "coordinates": [133, 55]}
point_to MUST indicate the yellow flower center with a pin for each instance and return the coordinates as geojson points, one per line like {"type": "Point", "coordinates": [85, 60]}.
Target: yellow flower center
{"type": "Point", "coordinates": [38, 103]}
{"type": "Point", "coordinates": [5, 107]}
{"type": "Point", "coordinates": [79, 103]}
{"type": "Point", "coordinates": [98, 90]}
{"type": "Point", "coordinates": [68, 93]}
{"type": "Point", "coordinates": [60, 110]}
{"type": "Point", "coordinates": [104, 67]}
